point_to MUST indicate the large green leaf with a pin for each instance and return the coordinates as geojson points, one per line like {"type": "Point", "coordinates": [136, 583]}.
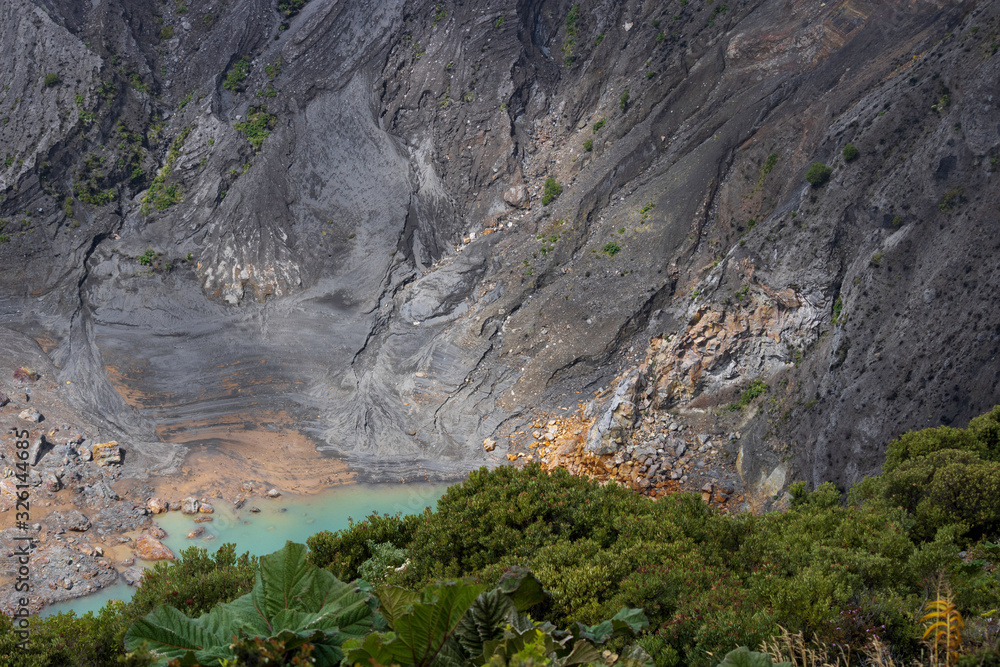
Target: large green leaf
{"type": "Point", "coordinates": [523, 589]}
{"type": "Point", "coordinates": [744, 657]}
{"type": "Point", "coordinates": [484, 621]}
{"type": "Point", "coordinates": [625, 621]}
{"type": "Point", "coordinates": [291, 599]}
{"type": "Point", "coordinates": [422, 626]}
{"type": "Point", "coordinates": [395, 601]}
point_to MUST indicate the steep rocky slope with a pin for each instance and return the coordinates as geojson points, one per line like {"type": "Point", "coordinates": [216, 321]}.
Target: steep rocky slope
{"type": "Point", "coordinates": [342, 204]}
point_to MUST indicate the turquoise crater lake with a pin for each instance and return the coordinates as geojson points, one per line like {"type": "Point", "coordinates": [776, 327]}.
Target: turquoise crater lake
{"type": "Point", "coordinates": [289, 517]}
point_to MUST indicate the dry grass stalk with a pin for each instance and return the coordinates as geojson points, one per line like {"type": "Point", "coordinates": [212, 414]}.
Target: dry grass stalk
{"type": "Point", "coordinates": [794, 648]}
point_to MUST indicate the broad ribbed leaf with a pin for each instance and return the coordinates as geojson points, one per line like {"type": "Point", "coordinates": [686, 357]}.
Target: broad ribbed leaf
{"type": "Point", "coordinates": [171, 634]}
{"type": "Point", "coordinates": [291, 599]}
{"type": "Point", "coordinates": [374, 647]}
{"type": "Point", "coordinates": [431, 621]}
{"type": "Point", "coordinates": [625, 621]}
{"type": "Point", "coordinates": [484, 621]}
{"type": "Point", "coordinates": [744, 657]}
{"type": "Point", "coordinates": [523, 589]}
{"type": "Point", "coordinates": [395, 601]}
{"type": "Point", "coordinates": [583, 653]}
{"type": "Point", "coordinates": [514, 642]}
{"type": "Point", "coordinates": [422, 624]}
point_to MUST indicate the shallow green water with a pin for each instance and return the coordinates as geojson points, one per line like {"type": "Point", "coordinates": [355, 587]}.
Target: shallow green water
{"type": "Point", "coordinates": [286, 518]}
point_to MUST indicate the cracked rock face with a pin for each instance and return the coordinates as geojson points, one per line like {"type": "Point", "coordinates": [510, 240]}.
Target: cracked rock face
{"type": "Point", "coordinates": [333, 221]}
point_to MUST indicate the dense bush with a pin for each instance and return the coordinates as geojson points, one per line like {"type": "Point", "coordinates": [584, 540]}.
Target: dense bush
{"type": "Point", "coordinates": [818, 174]}
{"type": "Point", "coordinates": [850, 152]}
{"type": "Point", "coordinates": [552, 190]}
{"type": "Point", "coordinates": [345, 551]}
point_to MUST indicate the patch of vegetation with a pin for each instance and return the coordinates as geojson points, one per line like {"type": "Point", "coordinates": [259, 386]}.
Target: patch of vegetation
{"type": "Point", "coordinates": [167, 32]}
{"type": "Point", "coordinates": [90, 186]}
{"type": "Point", "coordinates": [818, 174]}
{"type": "Point", "coordinates": [769, 163]}
{"type": "Point", "coordinates": [131, 153]}
{"type": "Point", "coordinates": [599, 124]}
{"type": "Point", "coordinates": [850, 152]}
{"type": "Point", "coordinates": [876, 259]}
{"type": "Point", "coordinates": [147, 258]}
{"type": "Point", "coordinates": [237, 75]}
{"type": "Point", "coordinates": [257, 127]}
{"type": "Point", "coordinates": [272, 69]}
{"type": "Point", "coordinates": [551, 192]}
{"type": "Point", "coordinates": [498, 24]}
{"type": "Point", "coordinates": [611, 248]}
{"type": "Point", "coordinates": [68, 206]}
{"type": "Point", "coordinates": [588, 145]}
{"type": "Point", "coordinates": [944, 101]}
{"type": "Point", "coordinates": [51, 79]}
{"type": "Point", "coordinates": [756, 389]}
{"type": "Point", "coordinates": [599, 38]}
{"type": "Point", "coordinates": [742, 292]}
{"type": "Point", "coordinates": [952, 199]}
{"type": "Point", "coordinates": [571, 32]}
{"type": "Point", "coordinates": [439, 14]}
{"type": "Point", "coordinates": [623, 101]}
{"type": "Point", "coordinates": [185, 101]}
{"type": "Point", "coordinates": [291, 7]}
{"type": "Point", "coordinates": [160, 195]}
{"type": "Point", "coordinates": [138, 83]}
{"type": "Point", "coordinates": [838, 307]}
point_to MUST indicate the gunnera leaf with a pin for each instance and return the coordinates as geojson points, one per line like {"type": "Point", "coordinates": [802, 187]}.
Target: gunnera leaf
{"type": "Point", "coordinates": [291, 598]}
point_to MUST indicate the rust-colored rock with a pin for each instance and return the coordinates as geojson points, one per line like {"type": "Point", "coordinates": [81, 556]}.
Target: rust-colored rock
{"type": "Point", "coordinates": [148, 547]}
{"type": "Point", "coordinates": [107, 453]}
{"type": "Point", "coordinates": [157, 505]}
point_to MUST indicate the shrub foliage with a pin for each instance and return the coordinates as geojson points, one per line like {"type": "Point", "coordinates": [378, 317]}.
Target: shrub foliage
{"type": "Point", "coordinates": [840, 572]}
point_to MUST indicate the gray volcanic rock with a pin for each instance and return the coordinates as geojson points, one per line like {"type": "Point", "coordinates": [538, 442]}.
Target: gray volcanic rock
{"type": "Point", "coordinates": [333, 221]}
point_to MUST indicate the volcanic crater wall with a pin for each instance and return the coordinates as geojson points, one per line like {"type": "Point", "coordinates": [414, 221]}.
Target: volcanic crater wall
{"type": "Point", "coordinates": [330, 213]}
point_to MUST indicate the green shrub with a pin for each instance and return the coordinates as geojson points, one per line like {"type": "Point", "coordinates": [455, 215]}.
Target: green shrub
{"type": "Point", "coordinates": [599, 124]}
{"type": "Point", "coordinates": [552, 190]}
{"type": "Point", "coordinates": [237, 75]}
{"type": "Point", "coordinates": [818, 174]}
{"type": "Point", "coordinates": [147, 258]}
{"type": "Point", "coordinates": [51, 79]}
{"type": "Point", "coordinates": [756, 388]}
{"type": "Point", "coordinates": [588, 145]}
{"type": "Point", "coordinates": [257, 127]}
{"type": "Point", "coordinates": [195, 582]}
{"type": "Point", "coordinates": [611, 249]}
{"type": "Point", "coordinates": [850, 152]}
{"type": "Point", "coordinates": [160, 195]}
{"type": "Point", "coordinates": [291, 7]}
{"type": "Point", "coordinates": [344, 552]}
{"type": "Point", "coordinates": [952, 199]}
{"type": "Point", "coordinates": [623, 101]}
{"type": "Point", "coordinates": [167, 32]}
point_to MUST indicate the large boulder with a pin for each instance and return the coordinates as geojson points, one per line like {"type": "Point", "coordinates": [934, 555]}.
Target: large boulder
{"type": "Point", "coordinates": [107, 453]}
{"type": "Point", "coordinates": [157, 506]}
{"type": "Point", "coordinates": [190, 505]}
{"type": "Point", "coordinates": [148, 547]}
